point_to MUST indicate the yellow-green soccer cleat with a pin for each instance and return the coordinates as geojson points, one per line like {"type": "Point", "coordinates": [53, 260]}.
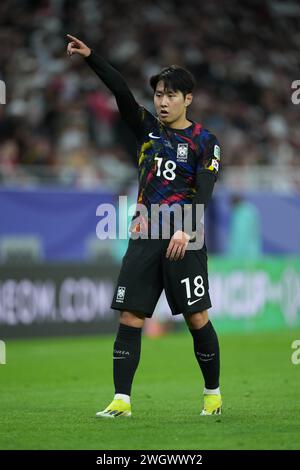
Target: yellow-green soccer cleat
{"type": "Point", "coordinates": [212, 405]}
{"type": "Point", "coordinates": [117, 409]}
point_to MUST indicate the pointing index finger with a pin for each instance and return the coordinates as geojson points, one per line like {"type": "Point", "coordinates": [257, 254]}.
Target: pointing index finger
{"type": "Point", "coordinates": [72, 37]}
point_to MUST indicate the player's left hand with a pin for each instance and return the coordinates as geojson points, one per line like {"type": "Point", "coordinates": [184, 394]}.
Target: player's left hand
{"type": "Point", "coordinates": [177, 245]}
{"type": "Point", "coordinates": [76, 46]}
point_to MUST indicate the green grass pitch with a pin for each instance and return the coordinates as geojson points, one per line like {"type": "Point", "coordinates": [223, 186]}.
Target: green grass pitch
{"type": "Point", "coordinates": [51, 388]}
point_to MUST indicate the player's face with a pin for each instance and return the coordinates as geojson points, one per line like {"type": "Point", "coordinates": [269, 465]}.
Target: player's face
{"type": "Point", "coordinates": [170, 105]}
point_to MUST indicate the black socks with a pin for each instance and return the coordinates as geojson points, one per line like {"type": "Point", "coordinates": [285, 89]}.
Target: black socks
{"type": "Point", "coordinates": [127, 350]}
{"type": "Point", "coordinates": [206, 348]}
{"type": "Point", "coordinates": [126, 356]}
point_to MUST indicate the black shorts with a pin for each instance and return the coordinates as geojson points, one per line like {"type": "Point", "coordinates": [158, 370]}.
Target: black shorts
{"type": "Point", "coordinates": [145, 272]}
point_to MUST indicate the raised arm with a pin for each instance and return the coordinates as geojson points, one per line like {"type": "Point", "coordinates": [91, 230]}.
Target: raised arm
{"type": "Point", "coordinates": [128, 107]}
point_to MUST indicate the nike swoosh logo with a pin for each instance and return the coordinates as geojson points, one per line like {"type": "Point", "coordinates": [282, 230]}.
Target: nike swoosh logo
{"type": "Point", "coordinates": [192, 302]}
{"type": "Point", "coordinates": [154, 136]}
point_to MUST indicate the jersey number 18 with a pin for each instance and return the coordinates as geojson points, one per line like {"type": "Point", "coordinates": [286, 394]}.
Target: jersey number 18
{"type": "Point", "coordinates": [169, 171]}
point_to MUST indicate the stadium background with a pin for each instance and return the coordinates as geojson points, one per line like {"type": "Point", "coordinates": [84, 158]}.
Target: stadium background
{"type": "Point", "coordinates": [64, 151]}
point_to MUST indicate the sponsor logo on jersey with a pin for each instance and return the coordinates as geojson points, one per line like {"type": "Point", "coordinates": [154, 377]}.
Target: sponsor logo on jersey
{"type": "Point", "coordinates": [182, 152]}
{"type": "Point", "coordinates": [120, 294]}
{"type": "Point", "coordinates": [154, 136]}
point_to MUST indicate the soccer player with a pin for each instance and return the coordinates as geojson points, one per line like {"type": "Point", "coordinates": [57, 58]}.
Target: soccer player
{"type": "Point", "coordinates": [178, 162]}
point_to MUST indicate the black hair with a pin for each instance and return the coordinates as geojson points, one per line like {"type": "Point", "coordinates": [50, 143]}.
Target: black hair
{"type": "Point", "coordinates": [175, 78]}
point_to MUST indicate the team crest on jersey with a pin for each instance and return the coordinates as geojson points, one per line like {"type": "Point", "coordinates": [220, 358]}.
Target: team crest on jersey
{"type": "Point", "coordinates": [120, 294]}
{"type": "Point", "coordinates": [182, 152]}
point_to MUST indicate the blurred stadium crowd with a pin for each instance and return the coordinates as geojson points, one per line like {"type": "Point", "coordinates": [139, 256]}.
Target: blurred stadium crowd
{"type": "Point", "coordinates": [61, 124]}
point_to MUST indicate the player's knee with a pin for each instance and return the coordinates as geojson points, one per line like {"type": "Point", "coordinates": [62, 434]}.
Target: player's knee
{"type": "Point", "coordinates": [197, 320]}
{"type": "Point", "coordinates": [132, 319]}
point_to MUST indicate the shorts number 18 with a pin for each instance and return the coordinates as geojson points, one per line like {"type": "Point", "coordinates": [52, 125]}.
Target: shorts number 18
{"type": "Point", "coordinates": [199, 290]}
